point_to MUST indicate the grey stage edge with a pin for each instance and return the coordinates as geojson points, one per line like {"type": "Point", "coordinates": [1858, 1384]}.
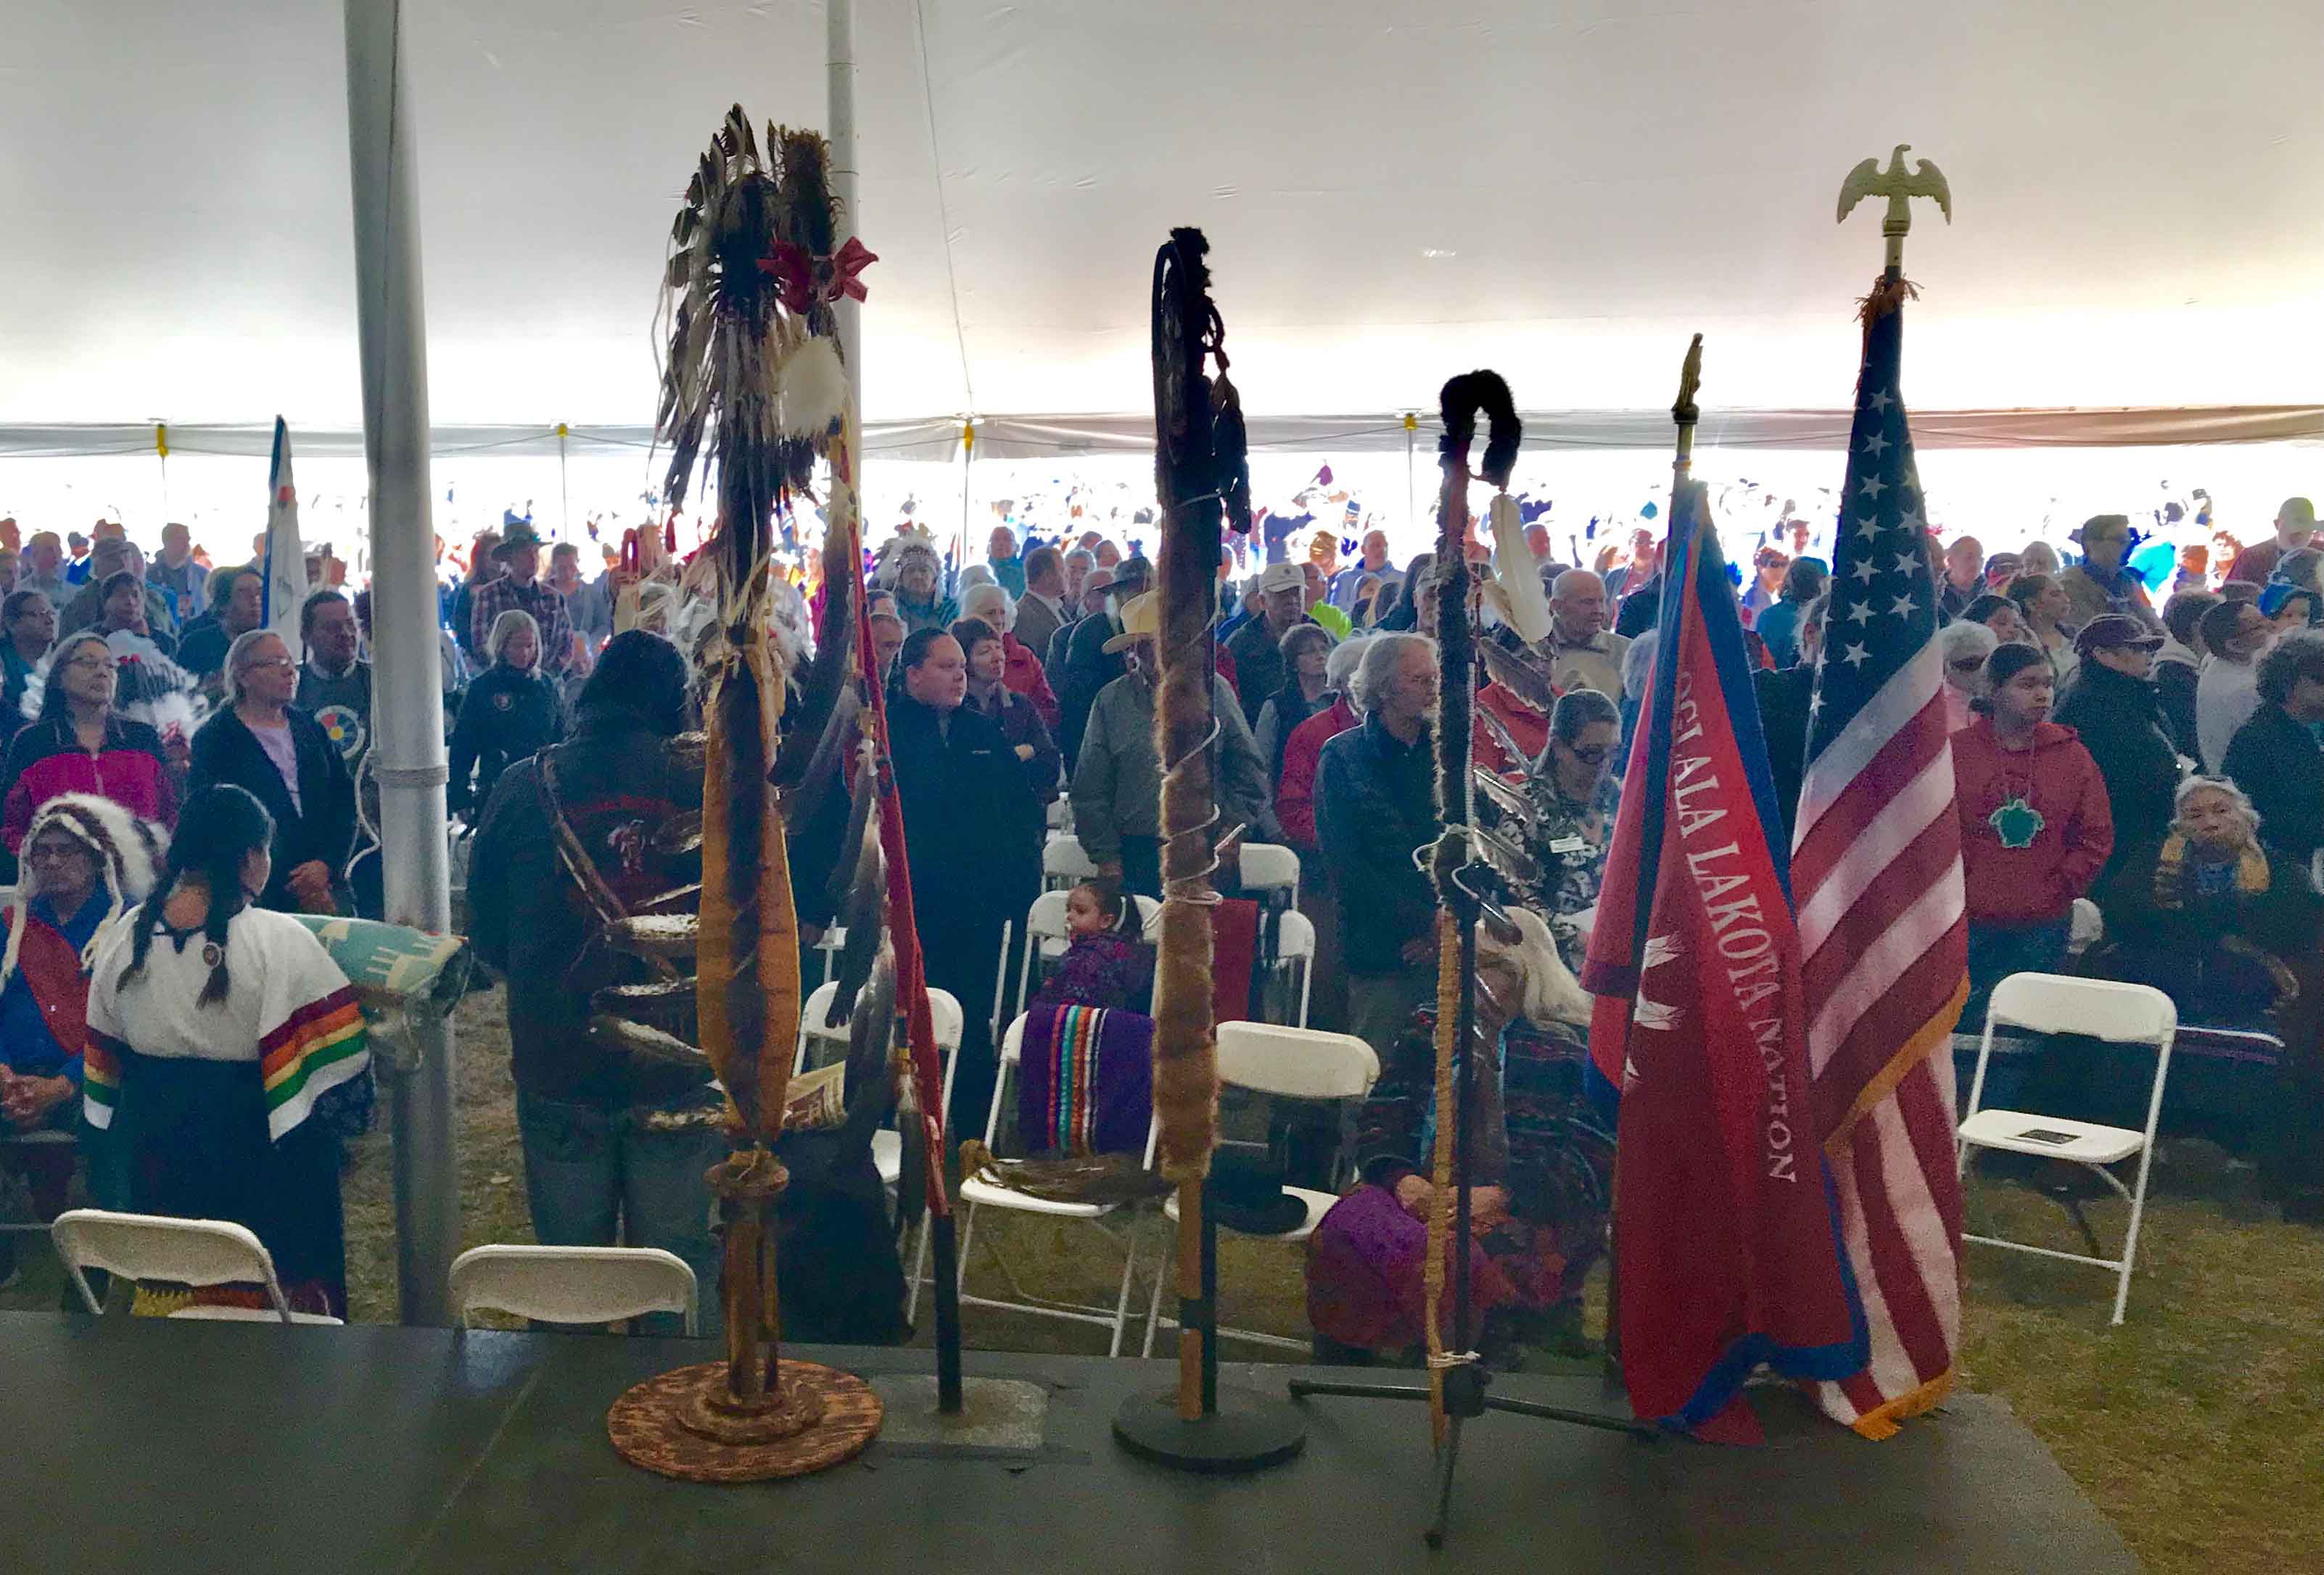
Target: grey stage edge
{"type": "Point", "coordinates": [140, 1445]}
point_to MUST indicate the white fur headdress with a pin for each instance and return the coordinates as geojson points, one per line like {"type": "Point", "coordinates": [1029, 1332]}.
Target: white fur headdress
{"type": "Point", "coordinates": [1552, 993]}
{"type": "Point", "coordinates": [128, 852]}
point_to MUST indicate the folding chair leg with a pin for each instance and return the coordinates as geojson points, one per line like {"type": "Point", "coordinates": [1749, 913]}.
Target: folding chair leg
{"type": "Point", "coordinates": [919, 1272]}
{"type": "Point", "coordinates": [1121, 1303]}
{"type": "Point", "coordinates": [1154, 1307]}
{"type": "Point", "coordinates": [2130, 1237]}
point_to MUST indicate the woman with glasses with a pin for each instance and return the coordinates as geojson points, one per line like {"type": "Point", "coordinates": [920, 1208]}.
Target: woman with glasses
{"type": "Point", "coordinates": [1965, 646]}
{"type": "Point", "coordinates": [81, 745]}
{"type": "Point", "coordinates": [1574, 798]}
{"type": "Point", "coordinates": [279, 755]}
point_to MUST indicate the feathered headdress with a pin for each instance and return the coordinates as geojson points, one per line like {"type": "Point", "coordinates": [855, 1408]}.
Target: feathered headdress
{"type": "Point", "coordinates": [128, 853]}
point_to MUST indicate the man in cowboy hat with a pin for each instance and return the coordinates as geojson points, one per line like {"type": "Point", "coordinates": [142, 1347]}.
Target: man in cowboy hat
{"type": "Point", "coordinates": [1091, 654]}
{"type": "Point", "coordinates": [518, 589]}
{"type": "Point", "coordinates": [1117, 790]}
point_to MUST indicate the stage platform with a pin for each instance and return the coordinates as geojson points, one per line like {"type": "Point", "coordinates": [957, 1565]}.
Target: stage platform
{"type": "Point", "coordinates": [146, 1445]}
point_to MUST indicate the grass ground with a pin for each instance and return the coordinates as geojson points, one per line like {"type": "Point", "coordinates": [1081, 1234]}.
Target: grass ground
{"type": "Point", "coordinates": [2194, 1427]}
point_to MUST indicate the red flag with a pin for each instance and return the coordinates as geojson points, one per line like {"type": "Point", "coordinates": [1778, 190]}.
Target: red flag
{"type": "Point", "coordinates": [1725, 1222]}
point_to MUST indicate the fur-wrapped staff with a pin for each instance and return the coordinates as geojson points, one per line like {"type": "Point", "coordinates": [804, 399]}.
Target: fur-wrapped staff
{"type": "Point", "coordinates": [754, 385]}
{"type": "Point", "coordinates": [1199, 469]}
{"type": "Point", "coordinates": [1460, 403]}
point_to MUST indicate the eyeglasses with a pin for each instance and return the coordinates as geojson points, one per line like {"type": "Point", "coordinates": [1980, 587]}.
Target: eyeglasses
{"type": "Point", "coordinates": [90, 661]}
{"type": "Point", "coordinates": [278, 662]}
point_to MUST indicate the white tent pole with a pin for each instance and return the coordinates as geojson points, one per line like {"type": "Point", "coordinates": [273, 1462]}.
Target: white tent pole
{"type": "Point", "coordinates": [839, 107]}
{"type": "Point", "coordinates": [564, 489]}
{"type": "Point", "coordinates": [407, 703]}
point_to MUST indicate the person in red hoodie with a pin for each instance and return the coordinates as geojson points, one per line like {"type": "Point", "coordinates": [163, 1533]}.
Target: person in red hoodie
{"type": "Point", "coordinates": [2036, 828]}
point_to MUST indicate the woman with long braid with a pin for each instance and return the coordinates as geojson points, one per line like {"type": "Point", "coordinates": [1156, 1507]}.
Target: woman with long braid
{"type": "Point", "coordinates": [214, 1026]}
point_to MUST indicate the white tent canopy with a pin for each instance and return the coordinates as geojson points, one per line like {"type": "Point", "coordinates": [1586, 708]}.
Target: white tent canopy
{"type": "Point", "coordinates": [1393, 191]}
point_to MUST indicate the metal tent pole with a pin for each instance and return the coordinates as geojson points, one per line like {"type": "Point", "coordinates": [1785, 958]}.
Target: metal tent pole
{"type": "Point", "coordinates": [407, 703]}
{"type": "Point", "coordinates": [839, 108]}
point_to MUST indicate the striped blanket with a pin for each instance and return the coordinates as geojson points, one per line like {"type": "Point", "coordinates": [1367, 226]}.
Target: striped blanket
{"type": "Point", "coordinates": [1085, 1083]}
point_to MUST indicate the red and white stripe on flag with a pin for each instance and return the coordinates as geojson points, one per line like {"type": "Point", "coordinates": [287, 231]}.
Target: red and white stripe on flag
{"type": "Point", "coordinates": [1876, 882]}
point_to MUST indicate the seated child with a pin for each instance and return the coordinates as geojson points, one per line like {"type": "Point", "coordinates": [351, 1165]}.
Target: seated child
{"type": "Point", "coordinates": [1107, 961]}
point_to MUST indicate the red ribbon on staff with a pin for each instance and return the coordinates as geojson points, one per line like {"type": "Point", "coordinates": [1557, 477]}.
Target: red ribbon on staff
{"type": "Point", "coordinates": [794, 272]}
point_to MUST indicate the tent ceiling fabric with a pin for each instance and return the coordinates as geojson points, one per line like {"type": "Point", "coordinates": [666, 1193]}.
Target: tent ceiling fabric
{"type": "Point", "coordinates": [1393, 191]}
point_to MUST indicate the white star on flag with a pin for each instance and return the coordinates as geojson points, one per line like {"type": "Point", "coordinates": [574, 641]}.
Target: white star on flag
{"type": "Point", "coordinates": [1874, 487]}
{"type": "Point", "coordinates": [1876, 445]}
{"type": "Point", "coordinates": [1906, 563]}
{"type": "Point", "coordinates": [1860, 613]}
{"type": "Point", "coordinates": [1857, 655]}
{"type": "Point", "coordinates": [1863, 570]}
{"type": "Point", "coordinates": [1879, 402]}
{"type": "Point", "coordinates": [1903, 606]}
{"type": "Point", "coordinates": [1911, 519]}
{"type": "Point", "coordinates": [1869, 528]}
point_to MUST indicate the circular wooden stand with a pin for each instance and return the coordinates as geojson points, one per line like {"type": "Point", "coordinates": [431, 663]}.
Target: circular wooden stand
{"type": "Point", "coordinates": [682, 1425]}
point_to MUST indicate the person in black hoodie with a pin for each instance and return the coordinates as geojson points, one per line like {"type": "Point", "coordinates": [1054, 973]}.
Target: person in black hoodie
{"type": "Point", "coordinates": [511, 712]}
{"type": "Point", "coordinates": [2178, 666]}
{"type": "Point", "coordinates": [2112, 705]}
{"type": "Point", "coordinates": [264, 744]}
{"type": "Point", "coordinates": [616, 1147]}
{"type": "Point", "coordinates": [975, 854]}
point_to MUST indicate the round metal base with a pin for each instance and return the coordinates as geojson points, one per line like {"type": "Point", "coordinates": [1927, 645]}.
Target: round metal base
{"type": "Point", "coordinates": [1248, 1433]}
{"type": "Point", "coordinates": [824, 1417]}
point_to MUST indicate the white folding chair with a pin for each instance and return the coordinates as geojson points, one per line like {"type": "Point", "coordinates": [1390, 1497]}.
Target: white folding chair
{"type": "Point", "coordinates": [187, 1252]}
{"type": "Point", "coordinates": [575, 1284]}
{"type": "Point", "coordinates": [983, 1194]}
{"type": "Point", "coordinates": [1270, 867]}
{"type": "Point", "coordinates": [834, 942]}
{"type": "Point", "coordinates": [2121, 1014]}
{"type": "Point", "coordinates": [1064, 863]}
{"type": "Point", "coordinates": [1294, 1063]}
{"type": "Point", "coordinates": [1295, 947]}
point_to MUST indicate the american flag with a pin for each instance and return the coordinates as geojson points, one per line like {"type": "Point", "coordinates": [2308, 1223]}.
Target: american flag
{"type": "Point", "coordinates": [1877, 878]}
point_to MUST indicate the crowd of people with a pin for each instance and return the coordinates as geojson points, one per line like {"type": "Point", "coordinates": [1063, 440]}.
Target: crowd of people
{"type": "Point", "coordinates": [2151, 751]}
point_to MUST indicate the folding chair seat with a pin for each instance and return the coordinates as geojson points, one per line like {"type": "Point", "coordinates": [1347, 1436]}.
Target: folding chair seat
{"type": "Point", "coordinates": [1284, 1063]}
{"type": "Point", "coordinates": [2121, 1014]}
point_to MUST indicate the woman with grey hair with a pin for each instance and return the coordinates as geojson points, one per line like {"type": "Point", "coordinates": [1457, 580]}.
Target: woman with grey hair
{"type": "Point", "coordinates": [1306, 649]}
{"type": "Point", "coordinates": [1022, 672]}
{"type": "Point", "coordinates": [1964, 646]}
{"type": "Point", "coordinates": [261, 742]}
{"type": "Point", "coordinates": [510, 714]}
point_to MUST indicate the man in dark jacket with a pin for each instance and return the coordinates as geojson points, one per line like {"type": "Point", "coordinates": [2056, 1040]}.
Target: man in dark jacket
{"type": "Point", "coordinates": [1375, 805]}
{"type": "Point", "coordinates": [1783, 696]}
{"type": "Point", "coordinates": [2275, 759]}
{"type": "Point", "coordinates": [976, 855]}
{"type": "Point", "coordinates": [2179, 666]}
{"type": "Point", "coordinates": [2112, 703]}
{"type": "Point", "coordinates": [1256, 648]}
{"type": "Point", "coordinates": [1088, 665]}
{"type": "Point", "coordinates": [616, 1147]}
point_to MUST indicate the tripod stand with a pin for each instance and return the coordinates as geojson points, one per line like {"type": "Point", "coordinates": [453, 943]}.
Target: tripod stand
{"type": "Point", "coordinates": [1466, 1378]}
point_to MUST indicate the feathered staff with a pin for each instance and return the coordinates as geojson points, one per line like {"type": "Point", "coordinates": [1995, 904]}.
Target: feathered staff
{"type": "Point", "coordinates": [1194, 474]}
{"type": "Point", "coordinates": [1460, 403]}
{"type": "Point", "coordinates": [754, 387]}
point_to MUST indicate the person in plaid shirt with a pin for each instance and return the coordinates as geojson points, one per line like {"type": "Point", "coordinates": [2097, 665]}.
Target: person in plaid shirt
{"type": "Point", "coordinates": [519, 589]}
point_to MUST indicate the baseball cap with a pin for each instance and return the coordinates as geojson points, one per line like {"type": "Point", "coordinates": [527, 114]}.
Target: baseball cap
{"type": "Point", "coordinates": [1282, 576]}
{"type": "Point", "coordinates": [2115, 631]}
